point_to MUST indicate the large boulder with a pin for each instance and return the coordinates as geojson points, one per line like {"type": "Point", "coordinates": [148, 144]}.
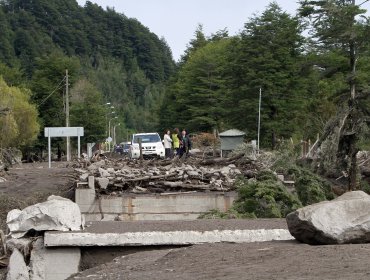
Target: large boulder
{"type": "Point", "coordinates": [345, 219]}
{"type": "Point", "coordinates": [57, 213]}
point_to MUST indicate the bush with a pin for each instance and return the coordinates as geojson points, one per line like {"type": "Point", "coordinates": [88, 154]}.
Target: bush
{"type": "Point", "coordinates": [230, 214]}
{"type": "Point", "coordinates": [265, 199]}
{"type": "Point", "coordinates": [365, 186]}
{"type": "Point", "coordinates": [266, 175]}
{"type": "Point", "coordinates": [310, 187]}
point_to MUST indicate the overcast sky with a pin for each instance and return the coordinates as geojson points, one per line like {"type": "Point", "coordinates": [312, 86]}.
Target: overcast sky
{"type": "Point", "coordinates": [176, 20]}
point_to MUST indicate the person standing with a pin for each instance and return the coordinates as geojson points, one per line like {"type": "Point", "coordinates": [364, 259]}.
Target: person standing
{"type": "Point", "coordinates": [176, 140]}
{"type": "Point", "coordinates": [167, 142]}
{"type": "Point", "coordinates": [185, 145]}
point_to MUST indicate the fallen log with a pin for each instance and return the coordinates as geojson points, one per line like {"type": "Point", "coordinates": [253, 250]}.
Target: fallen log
{"type": "Point", "coordinates": [180, 184]}
{"type": "Point", "coordinates": [176, 193]}
{"type": "Point", "coordinates": [223, 160]}
{"type": "Point", "coordinates": [148, 178]}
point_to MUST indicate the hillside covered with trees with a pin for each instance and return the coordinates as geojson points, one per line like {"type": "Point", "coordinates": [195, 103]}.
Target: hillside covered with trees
{"type": "Point", "coordinates": [110, 59]}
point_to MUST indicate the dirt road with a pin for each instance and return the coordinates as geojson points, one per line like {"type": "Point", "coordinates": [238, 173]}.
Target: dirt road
{"type": "Point", "coordinates": [267, 260]}
{"type": "Point", "coordinates": [30, 178]}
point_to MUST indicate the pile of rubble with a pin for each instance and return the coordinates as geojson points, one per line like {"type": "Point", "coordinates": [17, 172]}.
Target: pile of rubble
{"type": "Point", "coordinates": [125, 176]}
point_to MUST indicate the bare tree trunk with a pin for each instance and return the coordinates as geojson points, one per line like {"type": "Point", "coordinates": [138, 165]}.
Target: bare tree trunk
{"type": "Point", "coordinates": [352, 155]}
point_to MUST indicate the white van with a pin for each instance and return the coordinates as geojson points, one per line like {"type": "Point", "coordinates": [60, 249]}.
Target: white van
{"type": "Point", "coordinates": [151, 145]}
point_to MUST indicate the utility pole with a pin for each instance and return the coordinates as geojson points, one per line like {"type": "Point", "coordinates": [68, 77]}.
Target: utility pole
{"type": "Point", "coordinates": [259, 122]}
{"type": "Point", "coordinates": [67, 118]}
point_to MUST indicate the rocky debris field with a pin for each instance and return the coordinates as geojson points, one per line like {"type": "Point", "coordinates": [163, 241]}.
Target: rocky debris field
{"type": "Point", "coordinates": [161, 176]}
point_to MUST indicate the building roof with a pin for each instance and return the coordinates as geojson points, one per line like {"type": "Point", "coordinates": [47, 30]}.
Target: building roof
{"type": "Point", "coordinates": [231, 133]}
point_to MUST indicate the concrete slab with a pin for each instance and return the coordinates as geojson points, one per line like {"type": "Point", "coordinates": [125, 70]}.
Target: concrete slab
{"type": "Point", "coordinates": [171, 233]}
{"type": "Point", "coordinates": [165, 238]}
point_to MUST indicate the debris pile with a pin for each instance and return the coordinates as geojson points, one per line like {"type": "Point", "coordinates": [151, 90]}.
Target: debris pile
{"type": "Point", "coordinates": [159, 179]}
{"type": "Point", "coordinates": [160, 176]}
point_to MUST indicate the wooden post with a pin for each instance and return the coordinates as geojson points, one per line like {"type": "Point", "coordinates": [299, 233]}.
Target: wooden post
{"type": "Point", "coordinates": [140, 148]}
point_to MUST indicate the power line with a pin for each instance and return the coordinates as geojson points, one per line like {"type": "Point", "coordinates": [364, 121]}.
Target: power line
{"type": "Point", "coordinates": [363, 2]}
{"type": "Point", "coordinates": [56, 88]}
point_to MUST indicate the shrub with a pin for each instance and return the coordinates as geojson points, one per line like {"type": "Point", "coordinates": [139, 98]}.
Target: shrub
{"type": "Point", "coordinates": [310, 187]}
{"type": "Point", "coordinates": [266, 175]}
{"type": "Point", "coordinates": [265, 199]}
{"type": "Point", "coordinates": [365, 186]}
{"type": "Point", "coordinates": [230, 214]}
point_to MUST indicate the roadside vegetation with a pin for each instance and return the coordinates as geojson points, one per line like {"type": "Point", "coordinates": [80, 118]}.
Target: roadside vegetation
{"type": "Point", "coordinates": [266, 196]}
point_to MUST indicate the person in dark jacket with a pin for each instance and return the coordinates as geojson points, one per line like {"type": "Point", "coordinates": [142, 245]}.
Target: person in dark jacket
{"type": "Point", "coordinates": [185, 144]}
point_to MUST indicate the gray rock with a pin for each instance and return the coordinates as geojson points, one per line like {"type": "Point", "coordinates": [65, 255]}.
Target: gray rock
{"type": "Point", "coordinates": [81, 170]}
{"type": "Point", "coordinates": [103, 182]}
{"type": "Point", "coordinates": [57, 213]}
{"type": "Point", "coordinates": [225, 170]}
{"type": "Point", "coordinates": [84, 176]}
{"type": "Point", "coordinates": [345, 219]}
{"type": "Point", "coordinates": [192, 173]}
{"type": "Point", "coordinates": [96, 165]}
{"type": "Point", "coordinates": [237, 172]}
{"type": "Point", "coordinates": [195, 151]}
{"type": "Point", "coordinates": [103, 172]}
{"type": "Point", "coordinates": [17, 269]}
{"type": "Point", "coordinates": [188, 167]}
{"type": "Point", "coordinates": [111, 170]}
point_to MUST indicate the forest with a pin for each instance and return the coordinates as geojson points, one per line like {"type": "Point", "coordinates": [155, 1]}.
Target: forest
{"type": "Point", "coordinates": [109, 57]}
{"type": "Point", "coordinates": [310, 67]}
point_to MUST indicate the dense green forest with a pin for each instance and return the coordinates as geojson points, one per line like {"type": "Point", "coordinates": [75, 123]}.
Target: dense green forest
{"type": "Point", "coordinates": [301, 64]}
{"type": "Point", "coordinates": [110, 59]}
{"type": "Point", "coordinates": [306, 66]}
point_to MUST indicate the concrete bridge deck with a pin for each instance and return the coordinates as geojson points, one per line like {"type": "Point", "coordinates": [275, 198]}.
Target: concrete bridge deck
{"type": "Point", "coordinates": [144, 233]}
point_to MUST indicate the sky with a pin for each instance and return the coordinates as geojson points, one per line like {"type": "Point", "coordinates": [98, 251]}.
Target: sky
{"type": "Point", "coordinates": [177, 20]}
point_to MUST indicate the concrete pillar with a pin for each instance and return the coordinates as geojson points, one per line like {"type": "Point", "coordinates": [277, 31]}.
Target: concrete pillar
{"type": "Point", "coordinates": [53, 263]}
{"type": "Point", "coordinates": [91, 182]}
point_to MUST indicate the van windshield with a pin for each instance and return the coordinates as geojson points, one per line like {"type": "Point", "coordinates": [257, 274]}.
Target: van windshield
{"type": "Point", "coordinates": [149, 138]}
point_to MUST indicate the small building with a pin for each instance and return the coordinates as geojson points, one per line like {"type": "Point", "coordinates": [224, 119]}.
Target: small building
{"type": "Point", "coordinates": [230, 139]}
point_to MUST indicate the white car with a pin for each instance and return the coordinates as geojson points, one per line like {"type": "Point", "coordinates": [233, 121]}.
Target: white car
{"type": "Point", "coordinates": [151, 145]}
